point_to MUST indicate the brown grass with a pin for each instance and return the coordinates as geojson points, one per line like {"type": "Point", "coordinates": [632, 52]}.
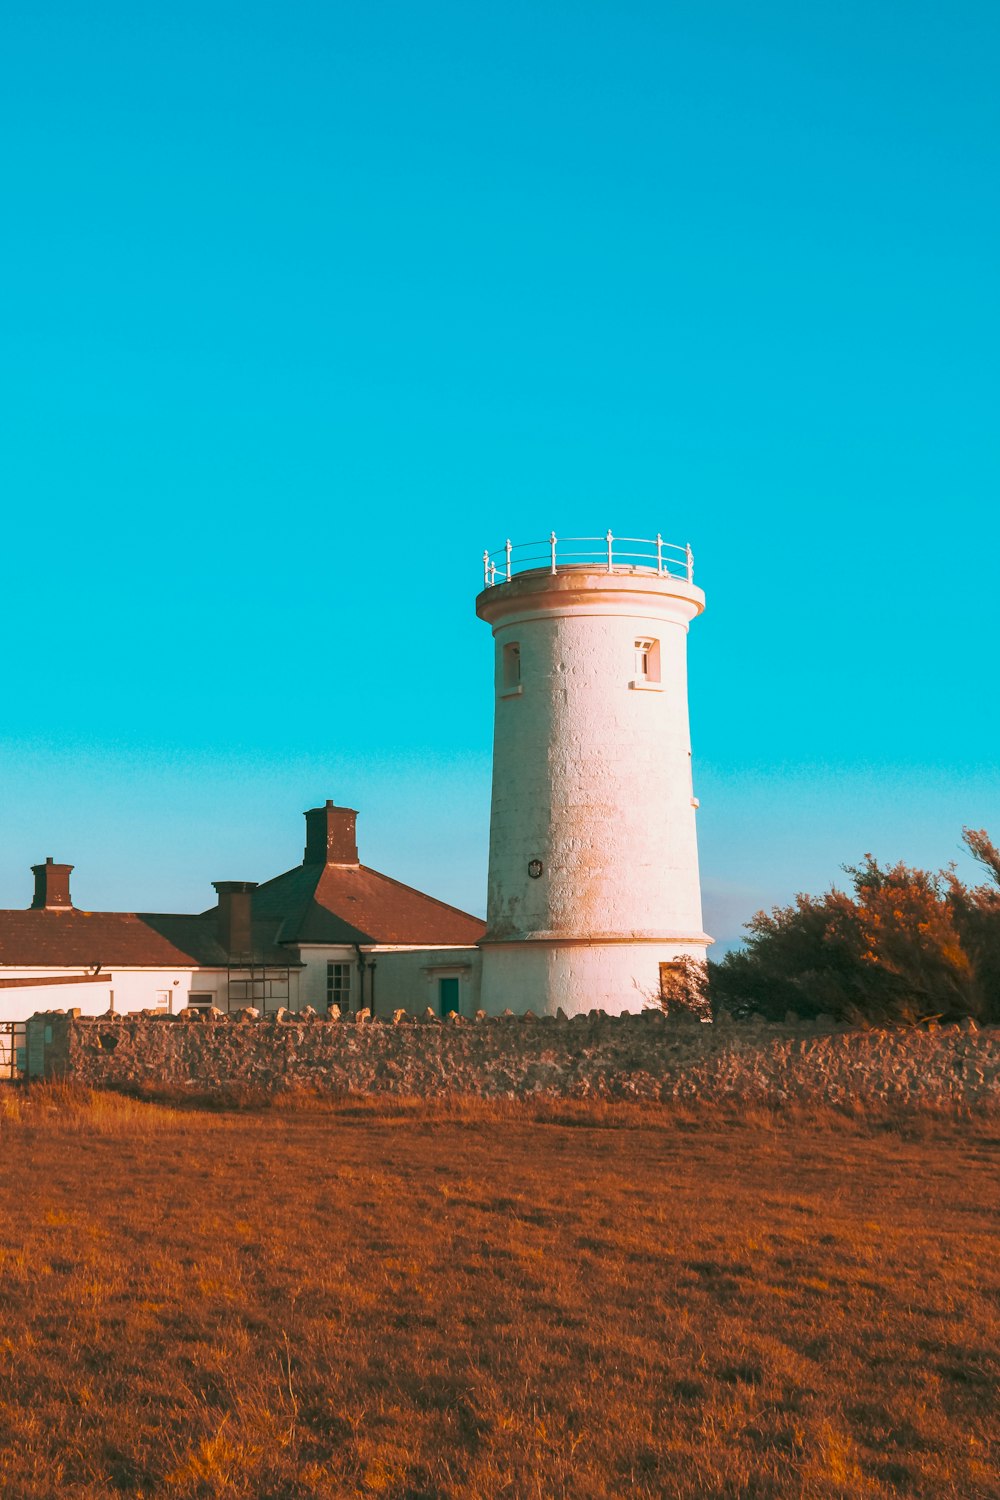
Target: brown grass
{"type": "Point", "coordinates": [475, 1300]}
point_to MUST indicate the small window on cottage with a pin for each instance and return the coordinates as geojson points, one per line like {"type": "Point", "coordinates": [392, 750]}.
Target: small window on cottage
{"type": "Point", "coordinates": [201, 1000]}
{"type": "Point", "coordinates": [338, 985]}
{"type": "Point", "coordinates": [647, 659]}
{"type": "Point", "coordinates": [511, 674]}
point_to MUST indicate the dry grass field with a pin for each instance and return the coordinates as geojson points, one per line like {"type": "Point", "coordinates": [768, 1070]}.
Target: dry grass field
{"type": "Point", "coordinates": [404, 1300]}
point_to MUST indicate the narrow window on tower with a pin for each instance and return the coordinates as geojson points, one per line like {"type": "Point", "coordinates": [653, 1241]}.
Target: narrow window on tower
{"type": "Point", "coordinates": [647, 663]}
{"type": "Point", "coordinates": [510, 670]}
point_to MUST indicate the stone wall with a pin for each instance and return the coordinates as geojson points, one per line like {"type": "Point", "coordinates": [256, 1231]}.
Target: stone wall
{"type": "Point", "coordinates": [645, 1056]}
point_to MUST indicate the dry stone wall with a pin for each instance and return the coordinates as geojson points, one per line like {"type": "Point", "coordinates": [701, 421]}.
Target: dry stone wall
{"type": "Point", "coordinates": [648, 1056]}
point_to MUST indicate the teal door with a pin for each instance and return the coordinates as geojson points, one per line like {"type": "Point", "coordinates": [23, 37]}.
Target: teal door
{"type": "Point", "coordinates": [448, 994]}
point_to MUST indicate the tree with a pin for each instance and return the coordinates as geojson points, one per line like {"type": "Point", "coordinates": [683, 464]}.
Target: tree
{"type": "Point", "coordinates": [902, 945]}
{"type": "Point", "coordinates": [977, 913]}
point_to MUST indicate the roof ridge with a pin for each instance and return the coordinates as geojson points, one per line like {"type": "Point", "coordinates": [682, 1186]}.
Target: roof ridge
{"type": "Point", "coordinates": [85, 911]}
{"type": "Point", "coordinates": [294, 870]}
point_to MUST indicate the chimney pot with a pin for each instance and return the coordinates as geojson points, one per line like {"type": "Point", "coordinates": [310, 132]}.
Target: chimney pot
{"type": "Point", "coordinates": [235, 916]}
{"type": "Point", "coordinates": [51, 886]}
{"type": "Point", "coordinates": [331, 837]}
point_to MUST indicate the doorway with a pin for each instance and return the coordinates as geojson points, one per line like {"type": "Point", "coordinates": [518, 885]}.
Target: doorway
{"type": "Point", "coordinates": [448, 994]}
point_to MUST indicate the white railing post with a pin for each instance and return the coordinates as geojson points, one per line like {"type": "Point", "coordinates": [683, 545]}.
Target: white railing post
{"type": "Point", "coordinates": [690, 562]}
{"type": "Point", "coordinates": [659, 555]}
{"type": "Point", "coordinates": [486, 569]}
{"type": "Point", "coordinates": [493, 573]}
{"type": "Point", "coordinates": [508, 549]}
{"type": "Point", "coordinates": [609, 539]}
{"type": "Point", "coordinates": [552, 544]}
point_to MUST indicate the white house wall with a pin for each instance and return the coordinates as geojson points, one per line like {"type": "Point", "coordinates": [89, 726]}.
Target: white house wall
{"type": "Point", "coordinates": [132, 989]}
{"type": "Point", "coordinates": [312, 979]}
{"type": "Point", "coordinates": [407, 978]}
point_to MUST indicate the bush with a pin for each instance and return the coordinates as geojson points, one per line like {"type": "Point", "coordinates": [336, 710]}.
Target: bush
{"type": "Point", "coordinates": [904, 945]}
{"type": "Point", "coordinates": [684, 990]}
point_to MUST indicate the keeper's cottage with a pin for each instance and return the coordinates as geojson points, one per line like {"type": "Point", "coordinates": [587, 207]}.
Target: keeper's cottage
{"type": "Point", "coordinates": [593, 864]}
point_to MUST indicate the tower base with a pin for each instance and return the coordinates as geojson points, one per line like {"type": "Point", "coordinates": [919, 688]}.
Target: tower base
{"type": "Point", "coordinates": [544, 976]}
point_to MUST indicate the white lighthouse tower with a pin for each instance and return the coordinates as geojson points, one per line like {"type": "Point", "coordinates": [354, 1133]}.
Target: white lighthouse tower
{"type": "Point", "coordinates": [593, 873]}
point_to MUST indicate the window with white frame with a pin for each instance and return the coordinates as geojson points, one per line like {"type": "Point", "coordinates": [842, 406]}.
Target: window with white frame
{"type": "Point", "coordinates": [647, 659]}
{"type": "Point", "coordinates": [338, 985]}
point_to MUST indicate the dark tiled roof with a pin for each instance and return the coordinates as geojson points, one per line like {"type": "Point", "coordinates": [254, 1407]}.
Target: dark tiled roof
{"type": "Point", "coordinates": [317, 903]}
{"type": "Point", "coordinates": [81, 939]}
{"type": "Point", "coordinates": [313, 903]}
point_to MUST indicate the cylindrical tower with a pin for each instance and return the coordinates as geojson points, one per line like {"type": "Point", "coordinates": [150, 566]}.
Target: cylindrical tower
{"type": "Point", "coordinates": [593, 872]}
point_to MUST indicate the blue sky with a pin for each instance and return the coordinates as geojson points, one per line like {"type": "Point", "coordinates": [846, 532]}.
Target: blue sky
{"type": "Point", "coordinates": [305, 305]}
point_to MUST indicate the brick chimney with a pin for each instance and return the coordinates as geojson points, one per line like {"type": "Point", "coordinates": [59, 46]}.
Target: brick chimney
{"type": "Point", "coordinates": [235, 917]}
{"type": "Point", "coordinates": [51, 887]}
{"type": "Point", "coordinates": [330, 836]}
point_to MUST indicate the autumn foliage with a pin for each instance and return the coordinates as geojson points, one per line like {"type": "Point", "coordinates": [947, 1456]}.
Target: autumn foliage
{"type": "Point", "coordinates": [902, 945]}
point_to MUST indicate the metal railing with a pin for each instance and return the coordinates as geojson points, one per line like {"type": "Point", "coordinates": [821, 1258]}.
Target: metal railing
{"type": "Point", "coordinates": [12, 1050]}
{"type": "Point", "coordinates": [607, 554]}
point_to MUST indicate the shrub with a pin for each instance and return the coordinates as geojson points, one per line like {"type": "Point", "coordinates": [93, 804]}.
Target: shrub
{"type": "Point", "coordinates": [977, 914]}
{"type": "Point", "coordinates": [684, 989]}
{"type": "Point", "coordinates": [904, 945]}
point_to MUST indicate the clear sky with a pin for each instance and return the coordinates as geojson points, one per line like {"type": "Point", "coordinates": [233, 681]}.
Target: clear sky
{"type": "Point", "coordinates": [304, 305]}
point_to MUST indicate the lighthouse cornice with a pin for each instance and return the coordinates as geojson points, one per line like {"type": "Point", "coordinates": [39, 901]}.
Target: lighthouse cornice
{"type": "Point", "coordinates": [604, 939]}
{"type": "Point", "coordinates": [582, 591]}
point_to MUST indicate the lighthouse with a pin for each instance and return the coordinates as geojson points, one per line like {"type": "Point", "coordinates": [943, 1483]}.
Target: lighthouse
{"type": "Point", "coordinates": [593, 868]}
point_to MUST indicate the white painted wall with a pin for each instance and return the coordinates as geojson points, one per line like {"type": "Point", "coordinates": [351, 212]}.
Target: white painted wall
{"type": "Point", "coordinates": [577, 976]}
{"type": "Point", "coordinates": [407, 978]}
{"type": "Point", "coordinates": [312, 979]}
{"type": "Point", "coordinates": [591, 776]}
{"type": "Point", "coordinates": [133, 989]}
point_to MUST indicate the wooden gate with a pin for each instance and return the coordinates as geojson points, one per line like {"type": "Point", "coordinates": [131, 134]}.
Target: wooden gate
{"type": "Point", "coordinates": [13, 1051]}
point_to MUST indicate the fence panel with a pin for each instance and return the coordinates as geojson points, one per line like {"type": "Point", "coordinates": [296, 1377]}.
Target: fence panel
{"type": "Point", "coordinates": [13, 1053]}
